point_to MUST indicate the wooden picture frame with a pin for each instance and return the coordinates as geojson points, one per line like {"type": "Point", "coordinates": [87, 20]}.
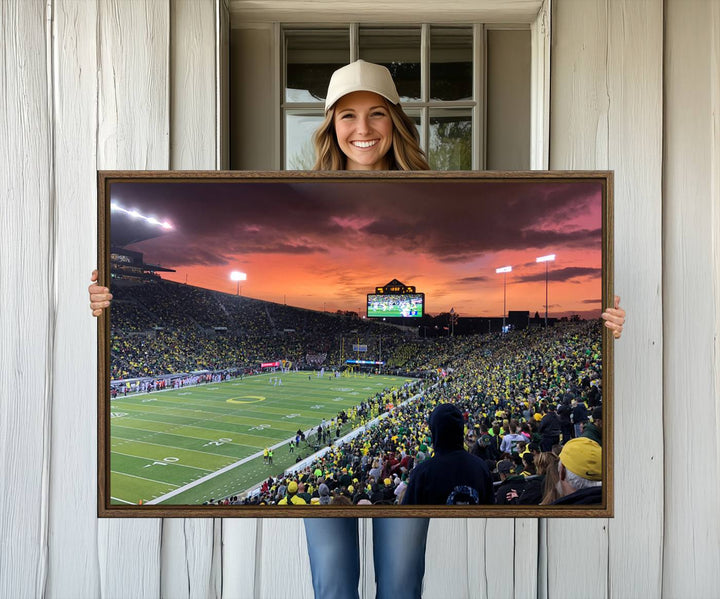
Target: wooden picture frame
{"type": "Point", "coordinates": [165, 235]}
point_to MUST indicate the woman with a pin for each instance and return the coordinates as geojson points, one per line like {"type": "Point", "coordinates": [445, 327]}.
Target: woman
{"type": "Point", "coordinates": [364, 129]}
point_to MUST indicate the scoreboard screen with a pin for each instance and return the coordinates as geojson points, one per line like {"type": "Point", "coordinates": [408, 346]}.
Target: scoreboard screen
{"type": "Point", "coordinates": [406, 305]}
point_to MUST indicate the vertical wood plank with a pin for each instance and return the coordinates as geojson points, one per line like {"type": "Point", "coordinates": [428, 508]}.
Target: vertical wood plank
{"type": "Point", "coordinates": [133, 126]}
{"type": "Point", "coordinates": [471, 558]}
{"type": "Point", "coordinates": [579, 99]}
{"type": "Point", "coordinates": [525, 558]}
{"type": "Point", "coordinates": [133, 131]}
{"type": "Point", "coordinates": [447, 559]}
{"type": "Point", "coordinates": [240, 558]}
{"type": "Point", "coordinates": [578, 140]}
{"type": "Point", "coordinates": [190, 566]}
{"type": "Point", "coordinates": [282, 565]}
{"type": "Point", "coordinates": [607, 113]}
{"type": "Point", "coordinates": [193, 85]}
{"type": "Point", "coordinates": [692, 305]}
{"type": "Point", "coordinates": [499, 557]}
{"type": "Point", "coordinates": [540, 88]}
{"type": "Point", "coordinates": [715, 204]}
{"type": "Point", "coordinates": [72, 544]}
{"type": "Point", "coordinates": [187, 559]}
{"type": "Point", "coordinates": [477, 543]}
{"type": "Point", "coordinates": [26, 303]}
{"type": "Point", "coordinates": [635, 88]}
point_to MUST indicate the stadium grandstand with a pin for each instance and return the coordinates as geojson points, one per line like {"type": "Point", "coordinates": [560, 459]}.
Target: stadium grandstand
{"type": "Point", "coordinates": [223, 399]}
{"type": "Point", "coordinates": [168, 336]}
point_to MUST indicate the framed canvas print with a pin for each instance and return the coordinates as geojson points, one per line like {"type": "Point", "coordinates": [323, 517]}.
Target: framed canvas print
{"type": "Point", "coordinates": [285, 344]}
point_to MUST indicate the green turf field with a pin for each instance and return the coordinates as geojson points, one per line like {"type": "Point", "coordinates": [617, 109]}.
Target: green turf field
{"type": "Point", "coordinates": [189, 445]}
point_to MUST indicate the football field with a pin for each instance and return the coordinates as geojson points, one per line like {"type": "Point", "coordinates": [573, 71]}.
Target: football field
{"type": "Point", "coordinates": [190, 445]}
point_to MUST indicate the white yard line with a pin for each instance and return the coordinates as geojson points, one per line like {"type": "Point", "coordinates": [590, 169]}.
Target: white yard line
{"type": "Point", "coordinates": [230, 467]}
{"type": "Point", "coordinates": [122, 500]}
{"type": "Point", "coordinates": [199, 481]}
{"type": "Point", "coordinates": [129, 455]}
{"type": "Point", "coordinates": [132, 428]}
{"type": "Point", "coordinates": [160, 482]}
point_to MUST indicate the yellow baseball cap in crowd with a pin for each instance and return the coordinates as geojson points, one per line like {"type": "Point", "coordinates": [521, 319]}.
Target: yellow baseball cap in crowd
{"type": "Point", "coordinates": [583, 456]}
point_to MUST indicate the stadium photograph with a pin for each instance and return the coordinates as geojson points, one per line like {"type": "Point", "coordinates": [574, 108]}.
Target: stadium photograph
{"type": "Point", "coordinates": [277, 342]}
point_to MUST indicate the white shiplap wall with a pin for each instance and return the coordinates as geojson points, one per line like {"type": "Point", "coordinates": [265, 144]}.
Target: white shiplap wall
{"type": "Point", "coordinates": [73, 543]}
{"type": "Point", "coordinates": [27, 315]}
{"type": "Point", "coordinates": [690, 297]}
{"type": "Point", "coordinates": [132, 133]}
{"type": "Point", "coordinates": [191, 555]}
{"type": "Point", "coordinates": [606, 112]}
{"type": "Point", "coordinates": [119, 84]}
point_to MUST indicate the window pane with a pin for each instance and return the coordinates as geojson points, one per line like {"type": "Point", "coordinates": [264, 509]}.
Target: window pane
{"type": "Point", "coordinates": [299, 149]}
{"type": "Point", "coordinates": [451, 56]}
{"type": "Point", "coordinates": [398, 50]}
{"type": "Point", "coordinates": [450, 145]}
{"type": "Point", "coordinates": [311, 58]}
{"type": "Point", "coordinates": [414, 115]}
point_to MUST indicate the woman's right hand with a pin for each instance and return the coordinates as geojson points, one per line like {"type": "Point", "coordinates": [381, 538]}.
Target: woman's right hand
{"type": "Point", "coordinates": [99, 296]}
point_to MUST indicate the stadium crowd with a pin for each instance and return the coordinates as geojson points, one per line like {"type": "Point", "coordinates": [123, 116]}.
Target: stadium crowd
{"type": "Point", "coordinates": [162, 328]}
{"type": "Point", "coordinates": [515, 392]}
{"type": "Point", "coordinates": [523, 395]}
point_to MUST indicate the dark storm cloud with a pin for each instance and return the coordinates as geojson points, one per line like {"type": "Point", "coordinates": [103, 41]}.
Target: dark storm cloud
{"type": "Point", "coordinates": [450, 221]}
{"type": "Point", "coordinates": [455, 221]}
{"type": "Point", "coordinates": [471, 280]}
{"type": "Point", "coordinates": [562, 274]}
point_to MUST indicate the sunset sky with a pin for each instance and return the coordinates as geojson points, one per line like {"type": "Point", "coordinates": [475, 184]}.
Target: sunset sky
{"type": "Point", "coordinates": [325, 245]}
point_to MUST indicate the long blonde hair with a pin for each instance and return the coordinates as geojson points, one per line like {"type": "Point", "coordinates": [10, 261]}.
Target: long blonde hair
{"type": "Point", "coordinates": [405, 154]}
{"type": "Point", "coordinates": [546, 463]}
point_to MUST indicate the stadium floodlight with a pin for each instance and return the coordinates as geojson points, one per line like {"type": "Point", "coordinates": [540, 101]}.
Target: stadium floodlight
{"type": "Point", "coordinates": [504, 270]}
{"type": "Point", "coordinates": [115, 207]}
{"type": "Point", "coordinates": [238, 276]}
{"type": "Point", "coordinates": [546, 259]}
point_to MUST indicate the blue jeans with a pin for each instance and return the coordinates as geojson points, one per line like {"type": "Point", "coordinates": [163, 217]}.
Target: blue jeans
{"type": "Point", "coordinates": [398, 555]}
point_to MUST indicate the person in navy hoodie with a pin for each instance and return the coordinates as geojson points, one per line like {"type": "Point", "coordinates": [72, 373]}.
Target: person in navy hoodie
{"type": "Point", "coordinates": [452, 473]}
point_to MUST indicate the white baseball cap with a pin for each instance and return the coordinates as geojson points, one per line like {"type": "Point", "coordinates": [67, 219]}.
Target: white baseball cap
{"type": "Point", "coordinates": [361, 76]}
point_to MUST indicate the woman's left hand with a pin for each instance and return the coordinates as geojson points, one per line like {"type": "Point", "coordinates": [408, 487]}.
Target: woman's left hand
{"type": "Point", "coordinates": [615, 318]}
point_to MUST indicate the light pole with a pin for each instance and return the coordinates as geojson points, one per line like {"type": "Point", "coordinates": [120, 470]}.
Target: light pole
{"type": "Point", "coordinates": [546, 259]}
{"type": "Point", "coordinates": [238, 276]}
{"type": "Point", "coordinates": [504, 270]}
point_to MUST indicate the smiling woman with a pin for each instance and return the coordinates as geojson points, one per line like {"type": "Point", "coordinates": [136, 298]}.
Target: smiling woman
{"type": "Point", "coordinates": [362, 110]}
{"type": "Point", "coordinates": [364, 131]}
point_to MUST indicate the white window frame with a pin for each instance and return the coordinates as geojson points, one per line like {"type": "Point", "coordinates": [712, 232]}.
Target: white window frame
{"type": "Point", "coordinates": [535, 14]}
{"type": "Point", "coordinates": [476, 107]}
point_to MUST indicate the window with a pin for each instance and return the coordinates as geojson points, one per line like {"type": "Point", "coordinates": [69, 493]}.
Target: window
{"type": "Point", "coordinates": [437, 71]}
{"type": "Point", "coordinates": [467, 87]}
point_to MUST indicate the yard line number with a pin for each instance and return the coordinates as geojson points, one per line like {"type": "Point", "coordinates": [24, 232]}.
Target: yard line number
{"type": "Point", "coordinates": [165, 462]}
